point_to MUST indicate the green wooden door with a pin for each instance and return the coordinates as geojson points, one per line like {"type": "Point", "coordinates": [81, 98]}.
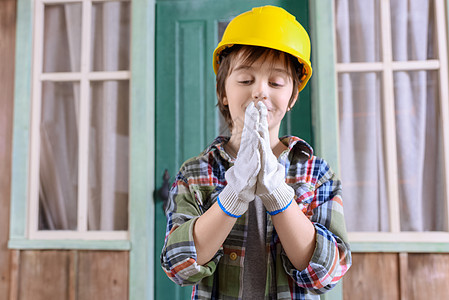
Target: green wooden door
{"type": "Point", "coordinates": [186, 113]}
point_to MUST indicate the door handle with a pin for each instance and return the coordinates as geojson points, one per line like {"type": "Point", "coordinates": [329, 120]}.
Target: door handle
{"type": "Point", "coordinates": [164, 189]}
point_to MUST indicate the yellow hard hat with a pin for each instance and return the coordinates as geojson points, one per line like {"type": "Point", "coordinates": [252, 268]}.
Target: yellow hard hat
{"type": "Point", "coordinates": [270, 27]}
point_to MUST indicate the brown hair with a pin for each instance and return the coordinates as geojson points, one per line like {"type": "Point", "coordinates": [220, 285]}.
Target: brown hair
{"type": "Point", "coordinates": [249, 55]}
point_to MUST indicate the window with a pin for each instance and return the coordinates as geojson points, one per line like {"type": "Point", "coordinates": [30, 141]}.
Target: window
{"type": "Point", "coordinates": [393, 119]}
{"type": "Point", "coordinates": [79, 160]}
{"type": "Point", "coordinates": [140, 72]}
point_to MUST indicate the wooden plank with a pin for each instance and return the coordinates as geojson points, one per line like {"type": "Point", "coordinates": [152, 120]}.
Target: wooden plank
{"type": "Point", "coordinates": [44, 275]}
{"type": "Point", "coordinates": [14, 271]}
{"type": "Point", "coordinates": [7, 48]}
{"type": "Point", "coordinates": [373, 276]}
{"type": "Point", "coordinates": [73, 275]}
{"type": "Point", "coordinates": [403, 275]}
{"type": "Point", "coordinates": [428, 276]}
{"type": "Point", "coordinates": [103, 275]}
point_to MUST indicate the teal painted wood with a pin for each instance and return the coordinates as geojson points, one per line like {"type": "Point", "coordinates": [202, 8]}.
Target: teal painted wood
{"type": "Point", "coordinates": [69, 244]}
{"type": "Point", "coordinates": [335, 294]}
{"type": "Point", "coordinates": [298, 121]}
{"type": "Point", "coordinates": [324, 96]}
{"type": "Point", "coordinates": [21, 126]}
{"type": "Point", "coordinates": [186, 116]}
{"type": "Point", "coordinates": [396, 247]}
{"type": "Point", "coordinates": [324, 82]}
{"type": "Point", "coordinates": [142, 158]}
{"type": "Point", "coordinates": [185, 121]}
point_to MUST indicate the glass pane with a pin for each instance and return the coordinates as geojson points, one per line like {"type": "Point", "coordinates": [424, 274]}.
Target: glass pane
{"type": "Point", "coordinates": [413, 30]}
{"type": "Point", "coordinates": [110, 36]}
{"type": "Point", "coordinates": [361, 152]}
{"type": "Point", "coordinates": [419, 151]}
{"type": "Point", "coordinates": [357, 25]}
{"type": "Point", "coordinates": [109, 156]}
{"type": "Point", "coordinates": [62, 38]}
{"type": "Point", "coordinates": [58, 175]}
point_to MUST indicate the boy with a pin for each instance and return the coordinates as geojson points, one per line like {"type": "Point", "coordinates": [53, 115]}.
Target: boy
{"type": "Point", "coordinates": [255, 216]}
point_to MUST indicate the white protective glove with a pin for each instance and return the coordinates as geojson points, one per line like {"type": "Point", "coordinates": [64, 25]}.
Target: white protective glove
{"type": "Point", "coordinates": [275, 194]}
{"type": "Point", "coordinates": [242, 176]}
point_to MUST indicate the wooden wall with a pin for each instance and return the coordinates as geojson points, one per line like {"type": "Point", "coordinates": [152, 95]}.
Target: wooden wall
{"type": "Point", "coordinates": [397, 276]}
{"type": "Point", "coordinates": [7, 40]}
{"type": "Point", "coordinates": [69, 274]}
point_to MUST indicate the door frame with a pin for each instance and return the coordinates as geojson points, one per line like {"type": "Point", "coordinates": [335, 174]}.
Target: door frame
{"type": "Point", "coordinates": [142, 151]}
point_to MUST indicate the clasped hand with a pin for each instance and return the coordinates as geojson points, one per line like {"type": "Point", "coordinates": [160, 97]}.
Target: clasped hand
{"type": "Point", "coordinates": [256, 171]}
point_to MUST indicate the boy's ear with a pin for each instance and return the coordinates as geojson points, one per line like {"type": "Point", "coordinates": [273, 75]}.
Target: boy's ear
{"type": "Point", "coordinates": [293, 101]}
{"type": "Point", "coordinates": [224, 101]}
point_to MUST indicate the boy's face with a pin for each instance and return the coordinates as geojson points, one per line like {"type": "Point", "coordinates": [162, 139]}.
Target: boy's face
{"type": "Point", "coordinates": [267, 80]}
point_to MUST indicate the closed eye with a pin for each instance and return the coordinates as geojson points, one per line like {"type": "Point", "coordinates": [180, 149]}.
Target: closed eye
{"type": "Point", "coordinates": [245, 82]}
{"type": "Point", "coordinates": [276, 84]}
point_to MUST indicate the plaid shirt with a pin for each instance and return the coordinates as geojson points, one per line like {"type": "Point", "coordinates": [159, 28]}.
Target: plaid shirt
{"type": "Point", "coordinates": [318, 194]}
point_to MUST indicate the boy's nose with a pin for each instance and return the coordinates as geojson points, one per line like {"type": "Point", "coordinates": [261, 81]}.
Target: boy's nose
{"type": "Point", "coordinates": [260, 96]}
{"type": "Point", "coordinates": [259, 92]}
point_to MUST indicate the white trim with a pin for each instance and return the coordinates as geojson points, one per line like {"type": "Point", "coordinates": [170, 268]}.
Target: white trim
{"type": "Point", "coordinates": [84, 120]}
{"type": "Point", "coordinates": [78, 1]}
{"type": "Point", "coordinates": [79, 235]}
{"type": "Point", "coordinates": [91, 76]}
{"type": "Point", "coordinates": [59, 1]}
{"type": "Point", "coordinates": [99, 1]}
{"type": "Point", "coordinates": [36, 106]}
{"type": "Point", "coordinates": [398, 237]}
{"type": "Point", "coordinates": [440, 10]}
{"type": "Point", "coordinates": [84, 78]}
{"type": "Point", "coordinates": [415, 65]}
{"type": "Point", "coordinates": [389, 125]}
{"type": "Point", "coordinates": [394, 65]}
{"type": "Point", "coordinates": [359, 67]}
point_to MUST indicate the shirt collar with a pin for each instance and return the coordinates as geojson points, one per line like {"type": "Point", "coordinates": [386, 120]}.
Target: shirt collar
{"type": "Point", "coordinates": [298, 149]}
{"type": "Point", "coordinates": [297, 146]}
{"type": "Point", "coordinates": [218, 144]}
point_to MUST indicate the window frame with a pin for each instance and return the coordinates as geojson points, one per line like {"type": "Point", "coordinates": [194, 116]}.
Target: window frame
{"type": "Point", "coordinates": [141, 203]}
{"type": "Point", "coordinates": [140, 243]}
{"type": "Point", "coordinates": [325, 116]}
{"type": "Point", "coordinates": [84, 77]}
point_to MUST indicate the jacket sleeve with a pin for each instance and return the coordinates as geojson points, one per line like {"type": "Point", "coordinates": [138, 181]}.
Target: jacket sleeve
{"type": "Point", "coordinates": [178, 257]}
{"type": "Point", "coordinates": [332, 256]}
